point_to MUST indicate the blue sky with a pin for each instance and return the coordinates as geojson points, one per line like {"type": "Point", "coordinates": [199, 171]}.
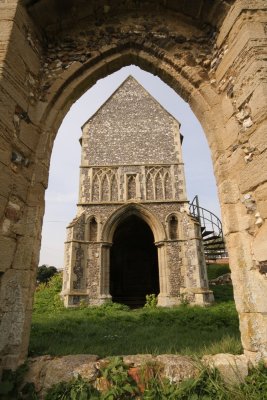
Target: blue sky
{"type": "Point", "coordinates": [62, 192]}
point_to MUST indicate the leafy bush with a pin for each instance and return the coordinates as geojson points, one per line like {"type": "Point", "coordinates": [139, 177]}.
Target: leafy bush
{"type": "Point", "coordinates": [47, 296]}
{"type": "Point", "coordinates": [45, 273]}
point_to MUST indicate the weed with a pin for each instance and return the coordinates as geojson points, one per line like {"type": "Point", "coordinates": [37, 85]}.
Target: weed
{"type": "Point", "coordinates": [151, 301]}
{"type": "Point", "coordinates": [119, 384]}
{"type": "Point", "coordinates": [76, 389]}
{"type": "Point", "coordinates": [255, 385]}
{"type": "Point", "coordinates": [111, 307]}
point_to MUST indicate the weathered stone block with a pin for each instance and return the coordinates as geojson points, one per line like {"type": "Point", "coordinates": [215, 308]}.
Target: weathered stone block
{"type": "Point", "coordinates": [7, 251]}
{"type": "Point", "coordinates": [29, 135]}
{"type": "Point", "coordinates": [177, 368]}
{"type": "Point", "coordinates": [260, 244]}
{"type": "Point", "coordinates": [233, 369]}
{"type": "Point", "coordinates": [257, 139]}
{"type": "Point", "coordinates": [23, 254]}
{"type": "Point", "coordinates": [232, 221]}
{"type": "Point", "coordinates": [258, 106]}
{"type": "Point", "coordinates": [230, 134]}
{"type": "Point", "coordinates": [46, 371]}
{"type": "Point", "coordinates": [228, 108]}
{"type": "Point", "coordinates": [254, 173]}
{"type": "Point", "coordinates": [254, 337]}
{"type": "Point", "coordinates": [229, 192]}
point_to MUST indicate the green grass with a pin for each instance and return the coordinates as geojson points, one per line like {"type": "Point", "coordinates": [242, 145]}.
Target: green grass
{"type": "Point", "coordinates": [222, 293]}
{"type": "Point", "coordinates": [215, 270]}
{"type": "Point", "coordinates": [114, 330]}
{"type": "Point", "coordinates": [187, 330]}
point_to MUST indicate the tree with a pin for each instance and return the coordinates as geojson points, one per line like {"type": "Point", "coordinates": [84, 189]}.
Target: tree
{"type": "Point", "coordinates": [45, 272]}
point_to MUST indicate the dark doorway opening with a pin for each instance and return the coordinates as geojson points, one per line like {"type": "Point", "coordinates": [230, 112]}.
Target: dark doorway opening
{"type": "Point", "coordinates": [133, 263]}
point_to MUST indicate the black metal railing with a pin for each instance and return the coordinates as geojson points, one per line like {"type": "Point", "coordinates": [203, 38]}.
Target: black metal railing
{"type": "Point", "coordinates": [211, 228]}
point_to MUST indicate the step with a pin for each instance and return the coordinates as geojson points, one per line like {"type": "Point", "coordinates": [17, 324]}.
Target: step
{"type": "Point", "coordinates": [207, 233]}
{"type": "Point", "coordinates": [214, 237]}
{"type": "Point", "coordinates": [220, 243]}
{"type": "Point", "coordinates": [216, 255]}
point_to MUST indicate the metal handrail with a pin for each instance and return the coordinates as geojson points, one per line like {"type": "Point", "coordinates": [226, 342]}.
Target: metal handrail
{"type": "Point", "coordinates": [210, 222]}
{"type": "Point", "coordinates": [204, 216]}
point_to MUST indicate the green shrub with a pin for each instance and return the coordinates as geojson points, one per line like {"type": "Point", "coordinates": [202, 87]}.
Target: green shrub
{"type": "Point", "coordinates": [151, 301]}
{"type": "Point", "coordinates": [47, 295]}
{"type": "Point", "coordinates": [45, 273]}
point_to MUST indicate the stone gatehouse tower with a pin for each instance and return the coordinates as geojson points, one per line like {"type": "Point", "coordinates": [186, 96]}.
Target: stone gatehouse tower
{"type": "Point", "coordinates": [133, 234]}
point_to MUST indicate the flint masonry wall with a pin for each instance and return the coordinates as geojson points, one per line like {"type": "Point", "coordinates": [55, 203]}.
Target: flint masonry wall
{"type": "Point", "coordinates": [214, 56]}
{"type": "Point", "coordinates": [118, 132]}
{"type": "Point", "coordinates": [132, 165]}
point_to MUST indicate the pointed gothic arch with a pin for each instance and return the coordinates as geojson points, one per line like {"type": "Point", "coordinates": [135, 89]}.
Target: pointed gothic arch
{"type": "Point", "coordinates": [133, 209]}
{"type": "Point", "coordinates": [33, 110]}
{"type": "Point", "coordinates": [159, 234]}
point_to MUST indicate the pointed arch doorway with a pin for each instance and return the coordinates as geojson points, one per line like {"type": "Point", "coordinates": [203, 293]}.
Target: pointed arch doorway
{"type": "Point", "coordinates": [134, 271]}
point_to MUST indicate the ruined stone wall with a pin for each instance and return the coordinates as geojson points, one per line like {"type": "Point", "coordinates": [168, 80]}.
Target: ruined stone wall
{"type": "Point", "coordinates": [213, 55]}
{"type": "Point", "coordinates": [21, 187]}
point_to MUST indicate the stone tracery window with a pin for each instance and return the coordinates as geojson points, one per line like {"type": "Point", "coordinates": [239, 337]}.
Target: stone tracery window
{"type": "Point", "coordinates": [159, 186]}
{"type": "Point", "coordinates": [131, 186]}
{"type": "Point", "coordinates": [167, 186]}
{"type": "Point", "coordinates": [114, 188]}
{"type": "Point", "coordinates": [105, 184]}
{"type": "Point", "coordinates": [96, 188]}
{"type": "Point", "coordinates": [92, 230]}
{"type": "Point", "coordinates": [149, 186]}
{"type": "Point", "coordinates": [158, 183]}
{"type": "Point", "coordinates": [173, 227]}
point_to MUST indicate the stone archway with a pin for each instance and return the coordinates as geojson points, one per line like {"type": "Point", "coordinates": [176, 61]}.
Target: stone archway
{"type": "Point", "coordinates": [133, 263]}
{"type": "Point", "coordinates": [157, 233]}
{"type": "Point", "coordinates": [213, 56]}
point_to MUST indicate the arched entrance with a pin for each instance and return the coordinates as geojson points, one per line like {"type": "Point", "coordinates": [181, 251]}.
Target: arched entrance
{"type": "Point", "coordinates": [133, 263]}
{"type": "Point", "coordinates": [202, 52]}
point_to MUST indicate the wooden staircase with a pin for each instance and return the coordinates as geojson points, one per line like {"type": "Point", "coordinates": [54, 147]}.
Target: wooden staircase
{"type": "Point", "coordinates": [211, 230]}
